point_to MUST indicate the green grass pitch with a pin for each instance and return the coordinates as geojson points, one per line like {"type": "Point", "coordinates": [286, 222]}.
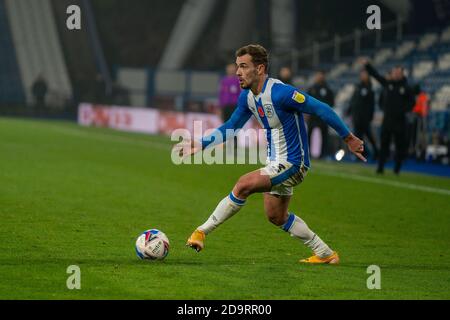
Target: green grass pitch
{"type": "Point", "coordinates": [80, 196]}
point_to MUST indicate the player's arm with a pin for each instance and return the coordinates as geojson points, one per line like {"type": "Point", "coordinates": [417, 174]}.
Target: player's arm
{"type": "Point", "coordinates": [294, 100]}
{"type": "Point", "coordinates": [227, 130]}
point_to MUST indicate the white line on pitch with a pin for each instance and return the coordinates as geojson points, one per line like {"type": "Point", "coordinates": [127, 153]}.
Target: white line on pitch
{"type": "Point", "coordinates": [398, 184]}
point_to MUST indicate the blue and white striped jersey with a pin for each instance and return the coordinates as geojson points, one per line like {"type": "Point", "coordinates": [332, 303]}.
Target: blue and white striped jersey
{"type": "Point", "coordinates": [279, 110]}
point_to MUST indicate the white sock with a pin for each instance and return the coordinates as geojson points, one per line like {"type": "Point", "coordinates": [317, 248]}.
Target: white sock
{"type": "Point", "coordinates": [226, 208]}
{"type": "Point", "coordinates": [299, 229]}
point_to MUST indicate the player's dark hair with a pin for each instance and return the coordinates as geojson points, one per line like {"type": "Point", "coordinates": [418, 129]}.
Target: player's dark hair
{"type": "Point", "coordinates": [257, 52]}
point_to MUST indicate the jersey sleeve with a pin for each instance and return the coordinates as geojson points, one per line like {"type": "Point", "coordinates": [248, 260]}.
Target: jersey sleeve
{"type": "Point", "coordinates": [297, 101]}
{"type": "Point", "coordinates": [237, 120]}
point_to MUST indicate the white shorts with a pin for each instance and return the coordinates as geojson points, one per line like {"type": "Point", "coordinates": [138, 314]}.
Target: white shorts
{"type": "Point", "coordinates": [284, 176]}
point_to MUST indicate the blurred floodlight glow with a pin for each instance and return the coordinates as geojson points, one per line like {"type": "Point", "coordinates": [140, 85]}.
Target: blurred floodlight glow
{"type": "Point", "coordinates": [339, 155]}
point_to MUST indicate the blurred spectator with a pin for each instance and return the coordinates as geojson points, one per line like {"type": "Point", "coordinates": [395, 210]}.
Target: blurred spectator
{"type": "Point", "coordinates": [418, 139]}
{"type": "Point", "coordinates": [285, 75]}
{"type": "Point", "coordinates": [438, 151]}
{"type": "Point", "coordinates": [39, 90]}
{"type": "Point", "coordinates": [383, 92]}
{"type": "Point", "coordinates": [398, 100]}
{"type": "Point", "coordinates": [361, 108]}
{"type": "Point", "coordinates": [320, 90]}
{"type": "Point", "coordinates": [229, 92]}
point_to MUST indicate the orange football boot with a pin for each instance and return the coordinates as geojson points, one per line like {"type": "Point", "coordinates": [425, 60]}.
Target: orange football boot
{"type": "Point", "coordinates": [196, 240]}
{"type": "Point", "coordinates": [332, 259]}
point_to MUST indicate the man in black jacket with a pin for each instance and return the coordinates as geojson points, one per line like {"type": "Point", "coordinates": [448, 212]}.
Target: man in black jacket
{"type": "Point", "coordinates": [397, 101]}
{"type": "Point", "coordinates": [361, 108]}
{"type": "Point", "coordinates": [39, 90]}
{"type": "Point", "coordinates": [320, 90]}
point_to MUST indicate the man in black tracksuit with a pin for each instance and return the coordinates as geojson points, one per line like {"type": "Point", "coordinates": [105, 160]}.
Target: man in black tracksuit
{"type": "Point", "coordinates": [361, 108]}
{"type": "Point", "coordinates": [397, 101]}
{"type": "Point", "coordinates": [321, 91]}
{"type": "Point", "coordinates": [39, 90]}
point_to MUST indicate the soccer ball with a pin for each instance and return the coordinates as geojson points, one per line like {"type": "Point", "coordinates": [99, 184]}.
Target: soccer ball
{"type": "Point", "coordinates": [152, 245]}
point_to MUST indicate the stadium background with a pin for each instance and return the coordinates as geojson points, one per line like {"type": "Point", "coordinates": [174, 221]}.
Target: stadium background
{"type": "Point", "coordinates": [171, 57]}
{"type": "Point", "coordinates": [154, 66]}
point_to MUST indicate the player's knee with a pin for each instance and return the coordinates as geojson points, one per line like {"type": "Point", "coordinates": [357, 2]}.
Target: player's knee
{"type": "Point", "coordinates": [243, 189]}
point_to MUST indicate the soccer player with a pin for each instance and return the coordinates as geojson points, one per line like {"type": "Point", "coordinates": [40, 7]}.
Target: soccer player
{"type": "Point", "coordinates": [278, 108]}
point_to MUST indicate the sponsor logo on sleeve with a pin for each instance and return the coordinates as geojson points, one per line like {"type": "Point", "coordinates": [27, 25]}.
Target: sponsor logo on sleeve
{"type": "Point", "coordinates": [298, 97]}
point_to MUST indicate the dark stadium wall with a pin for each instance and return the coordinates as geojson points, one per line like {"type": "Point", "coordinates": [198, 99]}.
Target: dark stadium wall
{"type": "Point", "coordinates": [78, 54]}
{"type": "Point", "coordinates": [207, 54]}
{"type": "Point", "coordinates": [133, 33]}
{"type": "Point", "coordinates": [11, 86]}
{"type": "Point", "coordinates": [320, 20]}
{"type": "Point", "coordinates": [316, 21]}
{"type": "Point", "coordinates": [428, 15]}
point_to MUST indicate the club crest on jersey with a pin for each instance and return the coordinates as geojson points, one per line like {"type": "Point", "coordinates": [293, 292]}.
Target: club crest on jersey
{"type": "Point", "coordinates": [269, 110]}
{"type": "Point", "coordinates": [298, 97]}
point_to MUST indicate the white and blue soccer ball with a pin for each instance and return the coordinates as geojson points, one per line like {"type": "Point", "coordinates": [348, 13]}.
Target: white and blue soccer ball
{"type": "Point", "coordinates": [153, 244]}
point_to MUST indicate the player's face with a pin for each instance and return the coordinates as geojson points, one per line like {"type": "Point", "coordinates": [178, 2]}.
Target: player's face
{"type": "Point", "coordinates": [247, 72]}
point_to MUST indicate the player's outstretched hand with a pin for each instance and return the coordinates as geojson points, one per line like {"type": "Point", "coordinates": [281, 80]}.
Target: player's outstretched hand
{"type": "Point", "coordinates": [187, 148]}
{"type": "Point", "coordinates": [356, 146]}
